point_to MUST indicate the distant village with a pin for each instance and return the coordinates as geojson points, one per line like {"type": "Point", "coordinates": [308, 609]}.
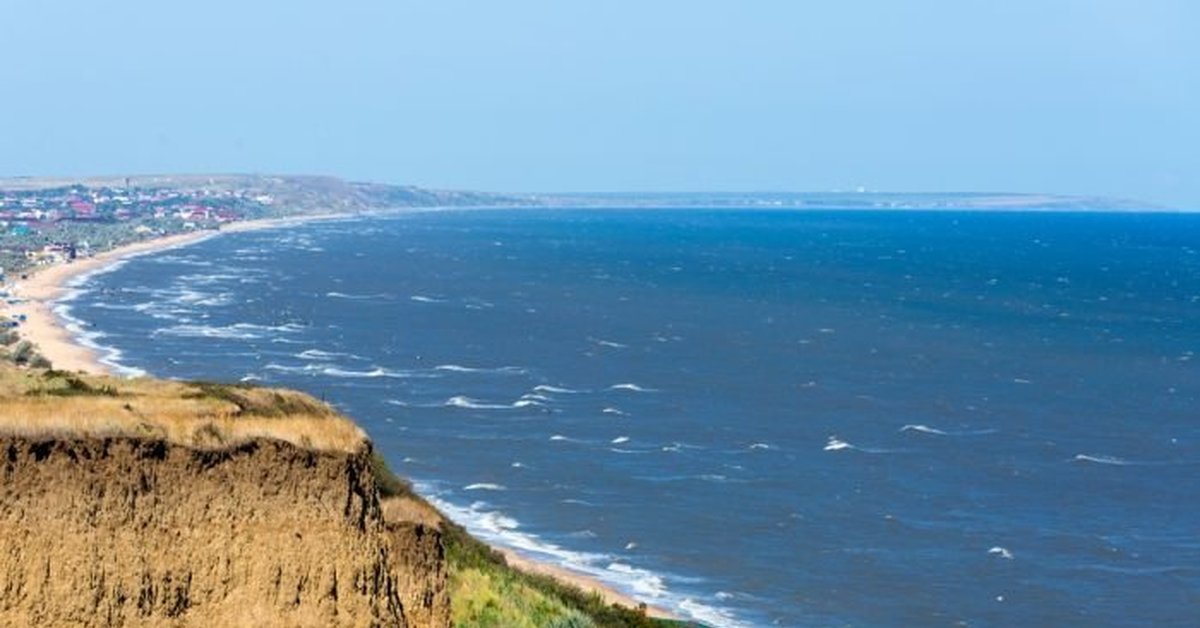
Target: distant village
{"type": "Point", "coordinates": [48, 221]}
{"type": "Point", "coordinates": [47, 226]}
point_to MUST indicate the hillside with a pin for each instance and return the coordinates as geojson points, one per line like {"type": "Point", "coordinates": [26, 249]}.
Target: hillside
{"type": "Point", "coordinates": [151, 503]}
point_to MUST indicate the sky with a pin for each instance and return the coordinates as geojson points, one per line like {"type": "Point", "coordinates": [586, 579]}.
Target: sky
{"type": "Point", "coordinates": [1094, 97]}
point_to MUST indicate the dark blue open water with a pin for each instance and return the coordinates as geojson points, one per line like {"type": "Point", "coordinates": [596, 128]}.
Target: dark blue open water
{"type": "Point", "coordinates": [749, 417]}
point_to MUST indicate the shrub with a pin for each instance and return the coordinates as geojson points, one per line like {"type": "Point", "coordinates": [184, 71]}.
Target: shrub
{"type": "Point", "coordinates": [389, 484]}
{"type": "Point", "coordinates": [72, 386]}
{"type": "Point", "coordinates": [40, 361]}
{"type": "Point", "coordinates": [22, 353]}
{"type": "Point", "coordinates": [259, 402]}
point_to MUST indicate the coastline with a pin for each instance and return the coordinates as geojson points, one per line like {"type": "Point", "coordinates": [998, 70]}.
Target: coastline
{"type": "Point", "coordinates": [587, 583]}
{"type": "Point", "coordinates": [40, 288]}
{"type": "Point", "coordinates": [43, 287]}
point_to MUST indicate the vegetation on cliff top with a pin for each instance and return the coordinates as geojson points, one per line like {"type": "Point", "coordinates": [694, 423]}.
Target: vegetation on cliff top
{"type": "Point", "coordinates": [38, 403]}
{"type": "Point", "coordinates": [486, 591]}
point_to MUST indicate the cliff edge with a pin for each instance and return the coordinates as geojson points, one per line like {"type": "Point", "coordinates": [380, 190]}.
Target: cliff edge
{"type": "Point", "coordinates": [145, 503]}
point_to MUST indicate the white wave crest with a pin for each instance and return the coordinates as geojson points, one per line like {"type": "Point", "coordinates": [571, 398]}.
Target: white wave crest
{"type": "Point", "coordinates": [1113, 460]}
{"type": "Point", "coordinates": [483, 486]}
{"type": "Point", "coordinates": [835, 444]}
{"type": "Point", "coordinates": [1000, 552]}
{"type": "Point", "coordinates": [922, 428]}
{"type": "Point", "coordinates": [709, 615]}
{"type": "Point", "coordinates": [554, 390]}
{"type": "Point", "coordinates": [460, 401]}
{"type": "Point", "coordinates": [925, 429]}
{"type": "Point", "coordinates": [632, 388]}
{"type": "Point", "coordinates": [457, 368]}
{"type": "Point", "coordinates": [355, 297]}
{"type": "Point", "coordinates": [317, 354]}
{"type": "Point", "coordinates": [284, 368]}
{"type": "Point", "coordinates": [237, 331]}
{"type": "Point", "coordinates": [644, 582]}
{"type": "Point", "coordinates": [207, 331]}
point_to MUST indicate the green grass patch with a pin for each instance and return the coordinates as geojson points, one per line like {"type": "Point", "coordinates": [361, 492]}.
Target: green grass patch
{"type": "Point", "coordinates": [64, 384]}
{"type": "Point", "coordinates": [389, 484]}
{"type": "Point", "coordinates": [255, 401]}
{"type": "Point", "coordinates": [482, 598]}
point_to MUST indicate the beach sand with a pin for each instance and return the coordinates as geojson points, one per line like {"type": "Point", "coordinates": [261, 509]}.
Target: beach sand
{"type": "Point", "coordinates": [589, 584]}
{"type": "Point", "coordinates": [42, 286]}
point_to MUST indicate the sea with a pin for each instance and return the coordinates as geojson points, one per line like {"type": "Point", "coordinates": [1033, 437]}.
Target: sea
{"type": "Point", "coordinates": [748, 417]}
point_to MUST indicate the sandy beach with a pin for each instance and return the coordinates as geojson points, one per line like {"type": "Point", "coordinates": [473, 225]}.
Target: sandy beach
{"type": "Point", "coordinates": [609, 594]}
{"type": "Point", "coordinates": [42, 286]}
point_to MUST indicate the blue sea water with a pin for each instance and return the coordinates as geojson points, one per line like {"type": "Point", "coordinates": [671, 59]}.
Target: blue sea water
{"type": "Point", "coordinates": [749, 417]}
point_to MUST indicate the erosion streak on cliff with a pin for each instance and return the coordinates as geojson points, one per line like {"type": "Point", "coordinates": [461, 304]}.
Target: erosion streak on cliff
{"type": "Point", "coordinates": [144, 531]}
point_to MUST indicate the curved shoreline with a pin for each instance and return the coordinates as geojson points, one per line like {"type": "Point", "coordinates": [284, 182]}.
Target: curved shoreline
{"type": "Point", "coordinates": [42, 289]}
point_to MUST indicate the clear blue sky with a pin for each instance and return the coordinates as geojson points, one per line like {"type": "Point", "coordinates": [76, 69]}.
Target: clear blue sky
{"type": "Point", "coordinates": [1083, 96]}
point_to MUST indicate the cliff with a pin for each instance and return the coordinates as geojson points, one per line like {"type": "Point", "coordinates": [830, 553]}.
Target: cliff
{"type": "Point", "coordinates": [141, 503]}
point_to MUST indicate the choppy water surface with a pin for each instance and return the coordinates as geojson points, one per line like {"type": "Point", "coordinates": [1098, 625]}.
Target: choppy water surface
{"type": "Point", "coordinates": [750, 417]}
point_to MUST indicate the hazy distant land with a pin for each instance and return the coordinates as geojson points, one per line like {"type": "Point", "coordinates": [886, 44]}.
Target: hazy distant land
{"type": "Point", "coordinates": [46, 220]}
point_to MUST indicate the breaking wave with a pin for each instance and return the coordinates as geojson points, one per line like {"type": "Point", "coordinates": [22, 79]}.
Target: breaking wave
{"type": "Point", "coordinates": [632, 388]}
{"type": "Point", "coordinates": [925, 429]}
{"type": "Point", "coordinates": [496, 527]}
{"type": "Point", "coordinates": [499, 370]}
{"type": "Point", "coordinates": [554, 390]}
{"type": "Point", "coordinates": [460, 401]}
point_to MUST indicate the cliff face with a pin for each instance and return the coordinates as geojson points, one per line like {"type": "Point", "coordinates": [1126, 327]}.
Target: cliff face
{"type": "Point", "coordinates": [127, 531]}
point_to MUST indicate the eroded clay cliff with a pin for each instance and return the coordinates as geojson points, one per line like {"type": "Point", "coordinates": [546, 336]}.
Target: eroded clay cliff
{"type": "Point", "coordinates": [128, 531]}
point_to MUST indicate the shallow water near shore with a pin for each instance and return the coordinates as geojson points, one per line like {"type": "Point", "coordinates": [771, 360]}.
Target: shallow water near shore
{"type": "Point", "coordinates": [747, 417]}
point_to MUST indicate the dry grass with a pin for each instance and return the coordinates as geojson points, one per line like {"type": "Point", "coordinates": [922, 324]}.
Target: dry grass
{"type": "Point", "coordinates": [204, 415]}
{"type": "Point", "coordinates": [411, 509]}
